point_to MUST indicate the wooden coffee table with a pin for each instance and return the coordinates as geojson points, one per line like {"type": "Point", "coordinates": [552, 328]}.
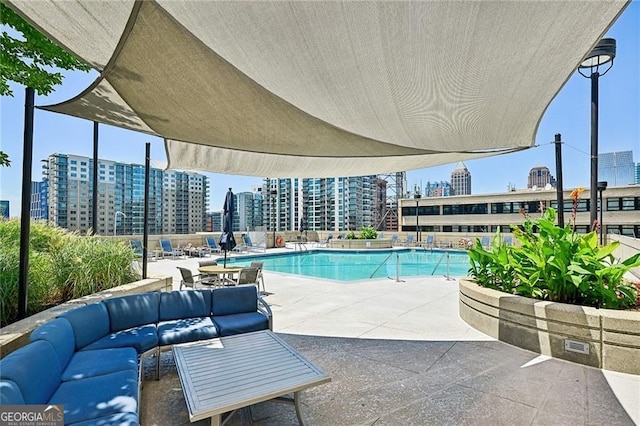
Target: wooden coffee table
{"type": "Point", "coordinates": [225, 374]}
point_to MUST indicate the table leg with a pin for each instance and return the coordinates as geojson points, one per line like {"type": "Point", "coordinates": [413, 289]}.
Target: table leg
{"type": "Point", "coordinates": [296, 402]}
{"type": "Point", "coordinates": [215, 420]}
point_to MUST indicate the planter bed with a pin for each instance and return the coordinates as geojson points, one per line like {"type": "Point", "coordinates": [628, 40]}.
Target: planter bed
{"type": "Point", "coordinates": [602, 338]}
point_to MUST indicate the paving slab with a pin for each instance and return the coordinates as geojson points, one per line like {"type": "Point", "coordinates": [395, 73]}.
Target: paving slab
{"type": "Point", "coordinates": [398, 353]}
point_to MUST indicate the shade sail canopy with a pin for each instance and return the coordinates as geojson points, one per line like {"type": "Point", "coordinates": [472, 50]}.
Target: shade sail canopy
{"type": "Point", "coordinates": [324, 88]}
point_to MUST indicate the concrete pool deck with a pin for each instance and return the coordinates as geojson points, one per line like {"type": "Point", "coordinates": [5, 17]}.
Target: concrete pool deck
{"type": "Point", "coordinates": [398, 353]}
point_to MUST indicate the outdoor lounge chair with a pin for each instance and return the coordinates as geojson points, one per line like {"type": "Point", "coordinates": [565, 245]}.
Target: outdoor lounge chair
{"type": "Point", "coordinates": [191, 280]}
{"type": "Point", "coordinates": [249, 245]}
{"type": "Point", "coordinates": [486, 243]}
{"type": "Point", "coordinates": [167, 249]}
{"type": "Point", "coordinates": [508, 240]}
{"type": "Point", "coordinates": [409, 241]}
{"type": "Point", "coordinates": [212, 244]}
{"type": "Point", "coordinates": [325, 243]}
{"type": "Point", "coordinates": [394, 239]}
{"type": "Point", "coordinates": [136, 246]}
{"type": "Point", "coordinates": [428, 243]}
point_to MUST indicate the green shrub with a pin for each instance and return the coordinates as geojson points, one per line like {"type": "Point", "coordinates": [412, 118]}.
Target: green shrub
{"type": "Point", "coordinates": [350, 235]}
{"type": "Point", "coordinates": [555, 264]}
{"type": "Point", "coordinates": [368, 233]}
{"type": "Point", "coordinates": [62, 266]}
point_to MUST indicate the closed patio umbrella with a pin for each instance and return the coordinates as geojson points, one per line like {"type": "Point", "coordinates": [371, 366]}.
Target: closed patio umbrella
{"type": "Point", "coordinates": [227, 240]}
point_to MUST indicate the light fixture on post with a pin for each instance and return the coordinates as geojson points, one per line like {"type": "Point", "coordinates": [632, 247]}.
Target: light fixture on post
{"type": "Point", "coordinates": [602, 54]}
{"type": "Point", "coordinates": [602, 186]}
{"type": "Point", "coordinates": [115, 221]}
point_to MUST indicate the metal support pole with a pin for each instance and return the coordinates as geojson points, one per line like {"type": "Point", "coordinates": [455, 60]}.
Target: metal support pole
{"type": "Point", "coordinates": [145, 221]}
{"type": "Point", "coordinates": [559, 189]}
{"type": "Point", "coordinates": [601, 225]}
{"type": "Point", "coordinates": [25, 216]}
{"type": "Point", "coordinates": [593, 200]}
{"type": "Point", "coordinates": [95, 192]}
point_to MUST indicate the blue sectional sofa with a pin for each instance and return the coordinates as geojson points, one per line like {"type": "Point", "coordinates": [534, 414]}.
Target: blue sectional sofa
{"type": "Point", "coordinates": [89, 359]}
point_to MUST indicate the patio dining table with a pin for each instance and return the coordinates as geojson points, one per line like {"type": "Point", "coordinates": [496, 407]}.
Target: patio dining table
{"type": "Point", "coordinates": [226, 274]}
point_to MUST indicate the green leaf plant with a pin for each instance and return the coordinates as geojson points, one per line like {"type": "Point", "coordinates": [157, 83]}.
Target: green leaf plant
{"type": "Point", "coordinates": [556, 264]}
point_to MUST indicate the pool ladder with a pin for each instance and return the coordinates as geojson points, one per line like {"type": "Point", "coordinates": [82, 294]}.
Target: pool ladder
{"type": "Point", "coordinates": [398, 280]}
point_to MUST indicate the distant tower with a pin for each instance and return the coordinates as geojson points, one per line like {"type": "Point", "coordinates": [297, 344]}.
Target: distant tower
{"type": "Point", "coordinates": [540, 176]}
{"type": "Point", "coordinates": [616, 168]}
{"type": "Point", "coordinates": [461, 180]}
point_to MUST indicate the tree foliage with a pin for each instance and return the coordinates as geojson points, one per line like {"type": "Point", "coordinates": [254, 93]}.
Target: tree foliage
{"type": "Point", "coordinates": [30, 59]}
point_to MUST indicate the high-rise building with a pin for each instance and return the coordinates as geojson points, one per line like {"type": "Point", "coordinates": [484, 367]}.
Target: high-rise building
{"type": "Point", "coordinates": [213, 221]}
{"type": "Point", "coordinates": [540, 177]}
{"type": "Point", "coordinates": [38, 205]}
{"type": "Point", "coordinates": [342, 203]}
{"type": "Point", "coordinates": [437, 189]}
{"type": "Point", "coordinates": [4, 208]}
{"type": "Point", "coordinates": [461, 180]}
{"type": "Point", "coordinates": [248, 211]}
{"type": "Point", "coordinates": [637, 173]}
{"type": "Point", "coordinates": [616, 168]}
{"type": "Point", "coordinates": [177, 200]}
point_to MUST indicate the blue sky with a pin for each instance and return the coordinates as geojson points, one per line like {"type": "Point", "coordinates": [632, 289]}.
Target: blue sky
{"type": "Point", "coordinates": [568, 114]}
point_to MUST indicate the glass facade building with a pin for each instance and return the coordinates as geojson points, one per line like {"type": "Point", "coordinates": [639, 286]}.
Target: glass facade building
{"type": "Point", "coordinates": [177, 200]}
{"type": "Point", "coordinates": [616, 168]}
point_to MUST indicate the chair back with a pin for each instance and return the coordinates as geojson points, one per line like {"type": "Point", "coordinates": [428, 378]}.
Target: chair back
{"type": "Point", "coordinates": [248, 276]}
{"type": "Point", "coordinates": [260, 277]}
{"type": "Point", "coordinates": [247, 241]}
{"type": "Point", "coordinates": [394, 238]}
{"type": "Point", "coordinates": [136, 246]}
{"type": "Point", "coordinates": [166, 245]}
{"type": "Point", "coordinates": [430, 239]}
{"type": "Point", "coordinates": [410, 239]}
{"type": "Point", "coordinates": [187, 277]}
{"type": "Point", "coordinates": [211, 242]}
{"type": "Point", "coordinates": [508, 240]}
{"type": "Point", "coordinates": [209, 262]}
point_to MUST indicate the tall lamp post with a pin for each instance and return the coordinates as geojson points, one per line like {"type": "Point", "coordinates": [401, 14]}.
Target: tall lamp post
{"type": "Point", "coordinates": [417, 197]}
{"type": "Point", "coordinates": [602, 186]}
{"type": "Point", "coordinates": [115, 221]}
{"type": "Point", "coordinates": [602, 54]}
{"type": "Point", "coordinates": [273, 193]}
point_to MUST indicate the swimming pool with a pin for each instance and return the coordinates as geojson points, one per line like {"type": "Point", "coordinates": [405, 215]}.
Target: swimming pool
{"type": "Point", "coordinates": [353, 265]}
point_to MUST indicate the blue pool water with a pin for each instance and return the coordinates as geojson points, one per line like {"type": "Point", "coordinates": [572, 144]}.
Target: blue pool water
{"type": "Point", "coordinates": [353, 265]}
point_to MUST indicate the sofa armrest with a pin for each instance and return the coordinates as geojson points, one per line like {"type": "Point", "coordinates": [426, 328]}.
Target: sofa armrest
{"type": "Point", "coordinates": [263, 308]}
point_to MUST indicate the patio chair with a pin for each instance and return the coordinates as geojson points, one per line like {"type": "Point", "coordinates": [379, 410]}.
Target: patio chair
{"type": "Point", "coordinates": [248, 276]}
{"type": "Point", "coordinates": [260, 278]}
{"type": "Point", "coordinates": [212, 244]}
{"type": "Point", "coordinates": [486, 243]}
{"type": "Point", "coordinates": [394, 239]}
{"type": "Point", "coordinates": [409, 241]}
{"type": "Point", "coordinates": [213, 278]}
{"type": "Point", "coordinates": [191, 280]}
{"type": "Point", "coordinates": [508, 240]}
{"type": "Point", "coordinates": [167, 249]}
{"type": "Point", "coordinates": [325, 243]}
{"type": "Point", "coordinates": [428, 242]}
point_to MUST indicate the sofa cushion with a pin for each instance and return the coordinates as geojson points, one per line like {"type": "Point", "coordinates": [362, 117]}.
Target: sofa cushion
{"type": "Point", "coordinates": [140, 338]}
{"type": "Point", "coordinates": [59, 333]}
{"type": "Point", "coordinates": [91, 363]}
{"type": "Point", "coordinates": [35, 369]}
{"type": "Point", "coordinates": [118, 419]}
{"type": "Point", "coordinates": [10, 392]}
{"type": "Point", "coordinates": [89, 322]}
{"type": "Point", "coordinates": [132, 311]}
{"type": "Point", "coordinates": [185, 304]}
{"type": "Point", "coordinates": [186, 330]}
{"type": "Point", "coordinates": [234, 300]}
{"type": "Point", "coordinates": [99, 396]}
{"type": "Point", "coordinates": [229, 325]}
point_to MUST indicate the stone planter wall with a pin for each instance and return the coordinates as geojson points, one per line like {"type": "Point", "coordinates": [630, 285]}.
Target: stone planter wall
{"type": "Point", "coordinates": [357, 244]}
{"type": "Point", "coordinates": [16, 335]}
{"type": "Point", "coordinates": [602, 338]}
